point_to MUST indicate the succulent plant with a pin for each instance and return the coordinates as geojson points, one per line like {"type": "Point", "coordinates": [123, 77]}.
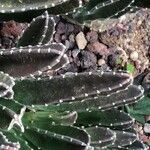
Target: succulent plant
{"type": "Point", "coordinates": [62, 111]}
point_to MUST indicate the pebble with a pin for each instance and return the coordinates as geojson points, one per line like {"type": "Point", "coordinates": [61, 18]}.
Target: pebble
{"type": "Point", "coordinates": [147, 128]}
{"type": "Point", "coordinates": [92, 36]}
{"type": "Point", "coordinates": [134, 56]}
{"type": "Point", "coordinates": [68, 44]}
{"type": "Point", "coordinates": [101, 62]}
{"type": "Point", "coordinates": [81, 40]}
{"type": "Point", "coordinates": [70, 28]}
{"type": "Point", "coordinates": [57, 38]}
{"type": "Point", "coordinates": [71, 38]}
{"type": "Point", "coordinates": [88, 60]}
{"type": "Point", "coordinates": [61, 28]}
{"type": "Point", "coordinates": [75, 53]}
{"type": "Point", "coordinates": [98, 48]}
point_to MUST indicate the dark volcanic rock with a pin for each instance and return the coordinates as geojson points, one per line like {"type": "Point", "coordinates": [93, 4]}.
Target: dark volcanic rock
{"type": "Point", "coordinates": [92, 36]}
{"type": "Point", "coordinates": [88, 60]}
{"type": "Point", "coordinates": [98, 48]}
{"type": "Point", "coordinates": [10, 32]}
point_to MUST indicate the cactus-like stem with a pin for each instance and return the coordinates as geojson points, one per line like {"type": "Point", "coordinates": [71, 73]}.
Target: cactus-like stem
{"type": "Point", "coordinates": [124, 138]}
{"type": "Point", "coordinates": [137, 145]}
{"type": "Point", "coordinates": [66, 137]}
{"type": "Point", "coordinates": [26, 61]}
{"type": "Point", "coordinates": [70, 87]}
{"type": "Point", "coordinates": [101, 137]}
{"type": "Point", "coordinates": [9, 114]}
{"type": "Point", "coordinates": [13, 136]}
{"type": "Point", "coordinates": [40, 118]}
{"type": "Point", "coordinates": [10, 6]}
{"type": "Point", "coordinates": [113, 118]}
{"type": "Point", "coordinates": [98, 10]}
{"type": "Point", "coordinates": [131, 95]}
{"type": "Point", "coordinates": [46, 24]}
{"type": "Point", "coordinates": [110, 4]}
{"type": "Point", "coordinates": [6, 144]}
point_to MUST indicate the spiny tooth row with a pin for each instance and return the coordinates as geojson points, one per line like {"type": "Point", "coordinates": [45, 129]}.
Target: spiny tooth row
{"type": "Point", "coordinates": [90, 104]}
{"type": "Point", "coordinates": [108, 3]}
{"type": "Point", "coordinates": [47, 24]}
{"type": "Point", "coordinates": [59, 135]}
{"type": "Point", "coordinates": [89, 89]}
{"type": "Point", "coordinates": [38, 6]}
{"type": "Point", "coordinates": [47, 48]}
{"type": "Point", "coordinates": [102, 5]}
{"type": "Point", "coordinates": [129, 121]}
{"type": "Point", "coordinates": [30, 48]}
{"type": "Point", "coordinates": [103, 140]}
{"type": "Point", "coordinates": [7, 144]}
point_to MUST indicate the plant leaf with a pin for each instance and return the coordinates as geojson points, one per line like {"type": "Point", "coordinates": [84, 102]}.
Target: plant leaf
{"type": "Point", "coordinates": [54, 137]}
{"type": "Point", "coordinates": [131, 95]}
{"type": "Point", "coordinates": [39, 32]}
{"type": "Point", "coordinates": [68, 87]}
{"type": "Point", "coordinates": [101, 137]}
{"type": "Point", "coordinates": [33, 60]}
{"type": "Point", "coordinates": [113, 118]}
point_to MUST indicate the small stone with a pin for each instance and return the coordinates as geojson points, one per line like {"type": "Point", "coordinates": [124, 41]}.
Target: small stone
{"type": "Point", "coordinates": [49, 72]}
{"type": "Point", "coordinates": [137, 65]}
{"type": "Point", "coordinates": [63, 37]}
{"type": "Point", "coordinates": [92, 36]}
{"type": "Point", "coordinates": [98, 48]}
{"type": "Point", "coordinates": [81, 40]}
{"type": "Point", "coordinates": [88, 60]}
{"type": "Point", "coordinates": [61, 28]}
{"type": "Point", "coordinates": [71, 38]}
{"type": "Point", "coordinates": [75, 53]}
{"type": "Point", "coordinates": [70, 28]}
{"type": "Point", "coordinates": [104, 67]}
{"type": "Point", "coordinates": [101, 62]}
{"type": "Point", "coordinates": [7, 42]}
{"type": "Point", "coordinates": [57, 38]}
{"type": "Point", "coordinates": [77, 29]}
{"type": "Point", "coordinates": [147, 128]}
{"type": "Point", "coordinates": [67, 44]}
{"type": "Point", "coordinates": [134, 56]}
{"type": "Point", "coordinates": [71, 41]}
